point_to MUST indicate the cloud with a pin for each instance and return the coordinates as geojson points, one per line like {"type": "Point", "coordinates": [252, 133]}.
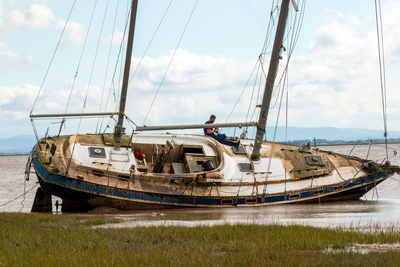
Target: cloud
{"type": "Point", "coordinates": [16, 101]}
{"type": "Point", "coordinates": [333, 83]}
{"type": "Point", "coordinates": [391, 14]}
{"type": "Point", "coordinates": [11, 60]}
{"type": "Point", "coordinates": [336, 83]}
{"type": "Point", "coordinates": [36, 16]}
{"type": "Point", "coordinates": [6, 54]}
{"type": "Point", "coordinates": [1, 16]}
{"type": "Point", "coordinates": [194, 86]}
{"type": "Point", "coordinates": [116, 39]}
{"type": "Point", "coordinates": [74, 33]}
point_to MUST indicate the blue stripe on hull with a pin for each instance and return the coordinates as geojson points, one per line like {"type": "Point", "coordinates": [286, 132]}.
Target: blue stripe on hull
{"type": "Point", "coordinates": [161, 199]}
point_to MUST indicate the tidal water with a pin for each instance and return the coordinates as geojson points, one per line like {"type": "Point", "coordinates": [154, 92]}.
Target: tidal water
{"type": "Point", "coordinates": [379, 208]}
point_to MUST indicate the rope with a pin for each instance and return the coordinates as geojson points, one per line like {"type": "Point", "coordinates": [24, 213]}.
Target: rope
{"type": "Point", "coordinates": [23, 194]}
{"type": "Point", "coordinates": [23, 199]}
{"type": "Point", "coordinates": [53, 56]}
{"type": "Point", "coordinates": [382, 67]}
{"type": "Point", "coordinates": [170, 62]}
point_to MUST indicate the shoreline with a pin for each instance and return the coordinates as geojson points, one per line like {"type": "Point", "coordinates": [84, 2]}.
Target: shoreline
{"type": "Point", "coordinates": [357, 143]}
{"type": "Point", "coordinates": [13, 154]}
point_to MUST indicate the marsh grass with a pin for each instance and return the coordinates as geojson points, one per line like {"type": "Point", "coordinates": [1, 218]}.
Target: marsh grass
{"type": "Point", "coordinates": [71, 240]}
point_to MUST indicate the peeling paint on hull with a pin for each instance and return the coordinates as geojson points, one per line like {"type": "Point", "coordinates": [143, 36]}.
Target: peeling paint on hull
{"type": "Point", "coordinates": [88, 196]}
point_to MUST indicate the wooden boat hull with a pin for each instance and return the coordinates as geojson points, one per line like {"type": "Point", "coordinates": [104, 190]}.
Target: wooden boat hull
{"type": "Point", "coordinates": [83, 196]}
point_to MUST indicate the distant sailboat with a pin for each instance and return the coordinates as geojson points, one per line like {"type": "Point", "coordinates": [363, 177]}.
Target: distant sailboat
{"type": "Point", "coordinates": [146, 171]}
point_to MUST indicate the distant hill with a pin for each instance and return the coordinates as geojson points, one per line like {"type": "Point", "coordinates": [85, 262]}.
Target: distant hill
{"type": "Point", "coordinates": [328, 133]}
{"type": "Point", "coordinates": [17, 144]}
{"type": "Point", "coordinates": [24, 143]}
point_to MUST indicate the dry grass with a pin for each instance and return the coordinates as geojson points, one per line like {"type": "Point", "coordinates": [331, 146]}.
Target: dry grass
{"type": "Point", "coordinates": [70, 240]}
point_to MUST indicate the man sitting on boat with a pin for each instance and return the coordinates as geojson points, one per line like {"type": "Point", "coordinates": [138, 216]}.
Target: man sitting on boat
{"type": "Point", "coordinates": [214, 133]}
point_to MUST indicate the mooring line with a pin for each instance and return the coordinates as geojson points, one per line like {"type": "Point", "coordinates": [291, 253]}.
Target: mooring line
{"type": "Point", "coordinates": [23, 194]}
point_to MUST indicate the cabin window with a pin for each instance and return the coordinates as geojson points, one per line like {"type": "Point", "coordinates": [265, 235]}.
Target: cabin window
{"type": "Point", "coordinates": [97, 152]}
{"type": "Point", "coordinates": [314, 160]}
{"type": "Point", "coordinates": [245, 167]}
{"type": "Point", "coordinates": [192, 150]}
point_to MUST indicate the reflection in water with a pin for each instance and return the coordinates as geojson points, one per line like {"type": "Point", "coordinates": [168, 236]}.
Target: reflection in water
{"type": "Point", "coordinates": [357, 214]}
{"type": "Point", "coordinates": [364, 248]}
{"type": "Point", "coordinates": [380, 206]}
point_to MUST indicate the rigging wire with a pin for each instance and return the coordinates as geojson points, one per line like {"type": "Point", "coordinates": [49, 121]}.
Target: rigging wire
{"type": "Point", "coordinates": [170, 62]}
{"type": "Point", "coordinates": [252, 95]}
{"type": "Point", "coordinates": [295, 36]}
{"type": "Point", "coordinates": [150, 42]}
{"type": "Point", "coordinates": [382, 68]}
{"type": "Point", "coordinates": [84, 103]}
{"type": "Point", "coordinates": [275, 132]}
{"type": "Point", "coordinates": [107, 66]}
{"type": "Point", "coordinates": [95, 56]}
{"type": "Point", "coordinates": [116, 94]}
{"type": "Point", "coordinates": [114, 73]}
{"type": "Point", "coordinates": [281, 91]}
{"type": "Point", "coordinates": [265, 46]}
{"type": "Point", "coordinates": [292, 44]}
{"type": "Point", "coordinates": [244, 88]}
{"type": "Point", "coordinates": [295, 29]}
{"type": "Point", "coordinates": [81, 56]}
{"type": "Point", "coordinates": [53, 56]}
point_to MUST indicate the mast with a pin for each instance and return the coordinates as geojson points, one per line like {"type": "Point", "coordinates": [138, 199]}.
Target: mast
{"type": "Point", "coordinates": [269, 85]}
{"type": "Point", "coordinates": [122, 103]}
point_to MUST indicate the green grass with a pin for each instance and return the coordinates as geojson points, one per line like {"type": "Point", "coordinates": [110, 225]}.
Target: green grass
{"type": "Point", "coordinates": [70, 240]}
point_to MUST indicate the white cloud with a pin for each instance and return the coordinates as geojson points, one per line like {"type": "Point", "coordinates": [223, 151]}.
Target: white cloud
{"type": "Point", "coordinates": [36, 16]}
{"type": "Point", "coordinates": [391, 14]}
{"type": "Point", "coordinates": [11, 60]}
{"type": "Point", "coordinates": [195, 86]}
{"type": "Point", "coordinates": [6, 54]}
{"type": "Point", "coordinates": [16, 101]}
{"type": "Point", "coordinates": [1, 15]}
{"type": "Point", "coordinates": [8, 58]}
{"type": "Point", "coordinates": [116, 39]}
{"type": "Point", "coordinates": [74, 33]}
{"type": "Point", "coordinates": [335, 83]}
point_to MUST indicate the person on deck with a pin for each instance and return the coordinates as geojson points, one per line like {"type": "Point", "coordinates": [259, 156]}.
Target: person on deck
{"type": "Point", "coordinates": [214, 133]}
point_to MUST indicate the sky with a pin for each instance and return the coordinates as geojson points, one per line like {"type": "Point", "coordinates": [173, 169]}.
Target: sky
{"type": "Point", "coordinates": [333, 75]}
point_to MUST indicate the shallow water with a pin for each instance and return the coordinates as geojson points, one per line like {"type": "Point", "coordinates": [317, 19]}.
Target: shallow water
{"type": "Point", "coordinates": [380, 207]}
{"type": "Point", "coordinates": [364, 248]}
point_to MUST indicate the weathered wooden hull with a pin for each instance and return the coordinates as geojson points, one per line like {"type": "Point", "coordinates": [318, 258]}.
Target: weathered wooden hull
{"type": "Point", "coordinates": [83, 196]}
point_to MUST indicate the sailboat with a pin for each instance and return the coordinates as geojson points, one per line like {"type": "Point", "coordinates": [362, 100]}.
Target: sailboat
{"type": "Point", "coordinates": [152, 171]}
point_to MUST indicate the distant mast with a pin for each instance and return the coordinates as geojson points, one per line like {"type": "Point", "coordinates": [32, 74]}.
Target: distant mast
{"type": "Point", "coordinates": [272, 72]}
{"type": "Point", "coordinates": [122, 103]}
